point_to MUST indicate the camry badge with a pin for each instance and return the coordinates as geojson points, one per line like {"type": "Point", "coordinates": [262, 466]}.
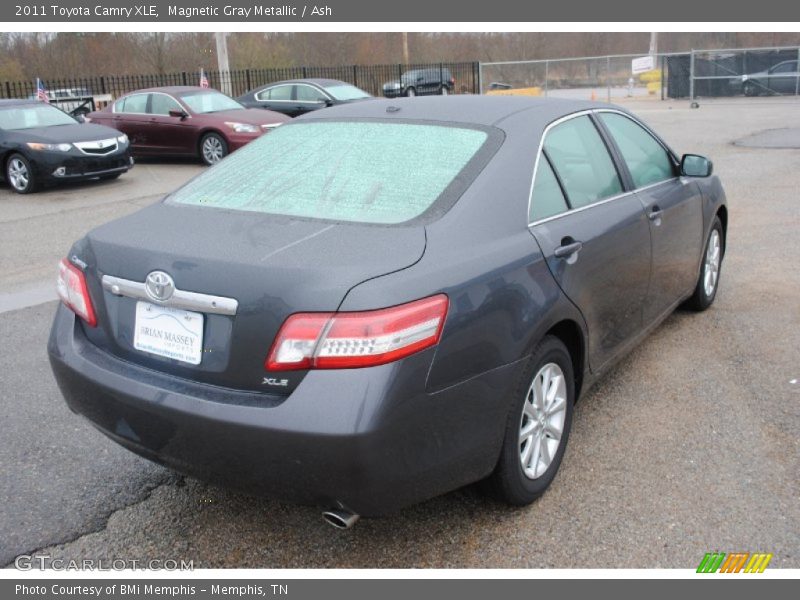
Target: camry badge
{"type": "Point", "coordinates": [159, 286]}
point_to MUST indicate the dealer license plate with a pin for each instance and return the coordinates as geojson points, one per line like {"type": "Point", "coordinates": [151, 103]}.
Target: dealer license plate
{"type": "Point", "coordinates": [169, 332]}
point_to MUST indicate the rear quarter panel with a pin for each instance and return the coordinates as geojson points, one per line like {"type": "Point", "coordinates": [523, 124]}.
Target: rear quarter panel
{"type": "Point", "coordinates": [503, 297]}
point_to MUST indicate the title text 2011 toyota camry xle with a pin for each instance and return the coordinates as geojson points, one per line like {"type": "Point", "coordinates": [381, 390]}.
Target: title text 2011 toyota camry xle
{"type": "Point", "coordinates": [385, 301]}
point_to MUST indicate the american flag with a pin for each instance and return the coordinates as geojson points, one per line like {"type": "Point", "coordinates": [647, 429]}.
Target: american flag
{"type": "Point", "coordinates": [41, 91]}
{"type": "Point", "coordinates": [203, 79]}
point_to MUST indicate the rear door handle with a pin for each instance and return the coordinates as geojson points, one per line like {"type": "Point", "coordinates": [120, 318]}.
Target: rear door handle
{"type": "Point", "coordinates": [655, 214]}
{"type": "Point", "coordinates": [567, 250]}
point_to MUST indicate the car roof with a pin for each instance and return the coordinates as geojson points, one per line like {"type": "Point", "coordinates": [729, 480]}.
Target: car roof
{"type": "Point", "coordinates": [467, 109]}
{"type": "Point", "coordinates": [174, 89]}
{"type": "Point", "coordinates": [312, 80]}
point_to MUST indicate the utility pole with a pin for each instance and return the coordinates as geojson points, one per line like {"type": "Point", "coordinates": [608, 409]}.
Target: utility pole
{"type": "Point", "coordinates": [222, 62]}
{"type": "Point", "coordinates": [653, 43]}
{"type": "Point", "coordinates": [405, 47]}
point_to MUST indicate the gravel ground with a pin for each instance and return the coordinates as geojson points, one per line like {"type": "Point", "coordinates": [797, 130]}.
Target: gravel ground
{"type": "Point", "coordinates": [690, 445]}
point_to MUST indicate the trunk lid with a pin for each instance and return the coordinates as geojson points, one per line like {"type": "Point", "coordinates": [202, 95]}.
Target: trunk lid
{"type": "Point", "coordinates": [272, 266]}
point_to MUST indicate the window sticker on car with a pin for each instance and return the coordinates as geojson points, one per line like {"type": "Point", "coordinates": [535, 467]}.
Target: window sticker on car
{"type": "Point", "coordinates": [345, 171]}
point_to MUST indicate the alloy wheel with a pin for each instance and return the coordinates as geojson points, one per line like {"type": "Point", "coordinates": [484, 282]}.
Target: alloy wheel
{"type": "Point", "coordinates": [18, 175]}
{"type": "Point", "coordinates": [542, 421]}
{"type": "Point", "coordinates": [213, 150]}
{"type": "Point", "coordinates": [711, 268]}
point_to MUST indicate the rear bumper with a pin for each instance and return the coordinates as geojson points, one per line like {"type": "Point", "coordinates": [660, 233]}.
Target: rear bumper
{"type": "Point", "coordinates": [369, 440]}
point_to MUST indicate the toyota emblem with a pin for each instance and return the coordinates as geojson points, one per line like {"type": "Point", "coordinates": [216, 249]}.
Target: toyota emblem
{"type": "Point", "coordinates": [159, 286]}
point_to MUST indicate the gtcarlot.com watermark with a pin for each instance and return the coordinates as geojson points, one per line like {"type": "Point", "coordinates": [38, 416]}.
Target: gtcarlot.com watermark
{"type": "Point", "coordinates": [42, 562]}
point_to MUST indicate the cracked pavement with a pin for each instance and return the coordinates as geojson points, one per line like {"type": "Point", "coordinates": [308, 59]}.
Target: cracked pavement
{"type": "Point", "coordinates": [690, 445]}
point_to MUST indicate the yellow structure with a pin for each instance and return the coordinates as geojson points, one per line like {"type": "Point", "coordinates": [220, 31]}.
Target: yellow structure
{"type": "Point", "coordinates": [529, 91]}
{"type": "Point", "coordinates": [652, 79]}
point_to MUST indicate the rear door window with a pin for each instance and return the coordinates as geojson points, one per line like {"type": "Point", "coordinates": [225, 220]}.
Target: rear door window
{"type": "Point", "coordinates": [135, 103]}
{"type": "Point", "coordinates": [582, 161]}
{"type": "Point", "coordinates": [281, 92]}
{"type": "Point", "coordinates": [647, 160]}
{"type": "Point", "coordinates": [547, 199]}
{"type": "Point", "coordinates": [370, 172]}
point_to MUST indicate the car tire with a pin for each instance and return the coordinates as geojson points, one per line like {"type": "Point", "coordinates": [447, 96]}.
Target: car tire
{"type": "Point", "coordinates": [443, 91]}
{"type": "Point", "coordinates": [749, 89]}
{"type": "Point", "coordinates": [708, 281]}
{"type": "Point", "coordinates": [411, 92]}
{"type": "Point", "coordinates": [511, 481]}
{"type": "Point", "coordinates": [19, 175]}
{"type": "Point", "coordinates": [213, 148]}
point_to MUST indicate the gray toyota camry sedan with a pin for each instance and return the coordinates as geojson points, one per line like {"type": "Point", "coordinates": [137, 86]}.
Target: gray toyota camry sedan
{"type": "Point", "coordinates": [384, 301]}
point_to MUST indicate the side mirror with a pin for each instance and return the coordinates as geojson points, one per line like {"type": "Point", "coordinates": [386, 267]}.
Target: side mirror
{"type": "Point", "coordinates": [694, 165]}
{"type": "Point", "coordinates": [178, 113]}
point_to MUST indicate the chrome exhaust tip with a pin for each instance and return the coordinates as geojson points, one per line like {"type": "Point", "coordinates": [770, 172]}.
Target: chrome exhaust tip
{"type": "Point", "coordinates": [341, 519]}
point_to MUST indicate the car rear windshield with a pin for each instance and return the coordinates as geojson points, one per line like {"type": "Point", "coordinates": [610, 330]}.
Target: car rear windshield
{"type": "Point", "coordinates": [354, 171]}
{"type": "Point", "coordinates": [28, 116]}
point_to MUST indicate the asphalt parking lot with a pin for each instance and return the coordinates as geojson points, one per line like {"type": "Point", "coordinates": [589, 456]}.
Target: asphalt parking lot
{"type": "Point", "coordinates": [690, 445]}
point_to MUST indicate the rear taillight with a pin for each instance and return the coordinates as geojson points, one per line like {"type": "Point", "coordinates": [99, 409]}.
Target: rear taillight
{"type": "Point", "coordinates": [346, 340]}
{"type": "Point", "coordinates": [73, 292]}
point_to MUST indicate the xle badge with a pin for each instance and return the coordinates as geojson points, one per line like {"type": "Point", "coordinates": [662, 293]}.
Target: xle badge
{"type": "Point", "coordinates": [273, 381]}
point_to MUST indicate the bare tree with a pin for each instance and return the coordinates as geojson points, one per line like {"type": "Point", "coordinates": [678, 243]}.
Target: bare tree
{"type": "Point", "coordinates": [58, 55]}
{"type": "Point", "coordinates": [152, 50]}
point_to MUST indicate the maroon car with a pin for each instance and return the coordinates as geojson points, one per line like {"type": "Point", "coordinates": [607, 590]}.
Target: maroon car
{"type": "Point", "coordinates": [185, 121]}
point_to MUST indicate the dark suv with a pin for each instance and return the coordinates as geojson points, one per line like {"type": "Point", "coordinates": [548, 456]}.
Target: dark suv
{"type": "Point", "coordinates": [421, 82]}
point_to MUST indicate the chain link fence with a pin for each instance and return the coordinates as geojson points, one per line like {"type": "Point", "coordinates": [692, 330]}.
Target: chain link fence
{"type": "Point", "coordinates": [694, 74]}
{"type": "Point", "coordinates": [741, 72]}
{"type": "Point", "coordinates": [596, 77]}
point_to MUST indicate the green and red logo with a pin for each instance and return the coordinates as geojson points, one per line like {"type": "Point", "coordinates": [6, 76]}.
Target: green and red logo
{"type": "Point", "coordinates": [736, 562]}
